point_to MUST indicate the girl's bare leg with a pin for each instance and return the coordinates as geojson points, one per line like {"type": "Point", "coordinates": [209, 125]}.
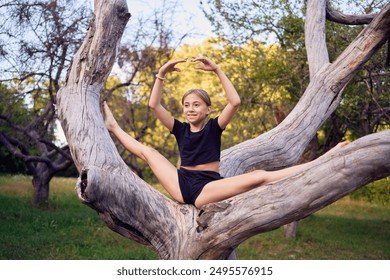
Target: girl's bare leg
{"type": "Point", "coordinates": [231, 186]}
{"type": "Point", "coordinates": [222, 189]}
{"type": "Point", "coordinates": [228, 187]}
{"type": "Point", "coordinates": [162, 168]}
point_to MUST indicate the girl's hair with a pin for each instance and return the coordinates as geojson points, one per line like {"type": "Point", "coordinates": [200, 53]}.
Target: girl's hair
{"type": "Point", "coordinates": [201, 93]}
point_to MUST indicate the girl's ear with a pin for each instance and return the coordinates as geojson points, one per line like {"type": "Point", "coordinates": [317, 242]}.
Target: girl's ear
{"type": "Point", "coordinates": [208, 110]}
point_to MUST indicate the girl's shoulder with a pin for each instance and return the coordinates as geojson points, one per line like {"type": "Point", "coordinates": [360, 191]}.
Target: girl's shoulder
{"type": "Point", "coordinates": [214, 122]}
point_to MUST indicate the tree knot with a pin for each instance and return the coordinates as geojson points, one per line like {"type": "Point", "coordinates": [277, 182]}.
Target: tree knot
{"type": "Point", "coordinates": [207, 213]}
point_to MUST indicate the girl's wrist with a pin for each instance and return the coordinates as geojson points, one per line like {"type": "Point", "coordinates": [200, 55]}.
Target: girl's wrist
{"type": "Point", "coordinates": [160, 77]}
{"type": "Point", "coordinates": [217, 69]}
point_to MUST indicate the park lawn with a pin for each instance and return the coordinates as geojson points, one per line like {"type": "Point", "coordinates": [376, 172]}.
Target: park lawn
{"type": "Point", "coordinates": [69, 230]}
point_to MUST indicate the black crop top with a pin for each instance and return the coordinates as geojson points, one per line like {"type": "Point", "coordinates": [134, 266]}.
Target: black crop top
{"type": "Point", "coordinates": [198, 147]}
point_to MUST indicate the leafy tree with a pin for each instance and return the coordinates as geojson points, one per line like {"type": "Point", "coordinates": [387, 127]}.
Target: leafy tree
{"type": "Point", "coordinates": [12, 105]}
{"type": "Point", "coordinates": [366, 100]}
{"type": "Point", "coordinates": [36, 42]}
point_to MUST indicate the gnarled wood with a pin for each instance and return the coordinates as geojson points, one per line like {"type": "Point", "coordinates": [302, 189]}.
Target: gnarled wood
{"type": "Point", "coordinates": [335, 16]}
{"type": "Point", "coordinates": [131, 207]}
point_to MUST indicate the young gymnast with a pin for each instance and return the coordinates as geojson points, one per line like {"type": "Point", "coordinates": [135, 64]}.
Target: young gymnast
{"type": "Point", "coordinates": [197, 181]}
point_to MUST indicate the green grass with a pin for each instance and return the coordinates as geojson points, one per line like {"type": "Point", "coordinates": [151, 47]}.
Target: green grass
{"type": "Point", "coordinates": [342, 231]}
{"type": "Point", "coordinates": [347, 229]}
{"type": "Point", "coordinates": [67, 230]}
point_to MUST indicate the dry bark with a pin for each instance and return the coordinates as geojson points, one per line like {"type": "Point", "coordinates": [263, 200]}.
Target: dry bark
{"type": "Point", "coordinates": [134, 209]}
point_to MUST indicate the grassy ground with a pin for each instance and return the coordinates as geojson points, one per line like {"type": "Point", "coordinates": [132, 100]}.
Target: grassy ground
{"type": "Point", "coordinates": [347, 229]}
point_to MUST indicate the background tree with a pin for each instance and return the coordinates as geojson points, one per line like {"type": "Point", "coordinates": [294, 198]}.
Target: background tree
{"type": "Point", "coordinates": [37, 41]}
{"type": "Point", "coordinates": [17, 107]}
{"type": "Point", "coordinates": [131, 207]}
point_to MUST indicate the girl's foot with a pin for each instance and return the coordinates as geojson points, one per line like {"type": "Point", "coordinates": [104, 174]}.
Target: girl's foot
{"type": "Point", "coordinates": [108, 117]}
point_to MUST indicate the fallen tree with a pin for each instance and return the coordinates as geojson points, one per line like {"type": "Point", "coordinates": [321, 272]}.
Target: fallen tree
{"type": "Point", "coordinates": [134, 209]}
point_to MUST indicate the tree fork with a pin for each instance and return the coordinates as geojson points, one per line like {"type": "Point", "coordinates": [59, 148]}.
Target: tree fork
{"type": "Point", "coordinates": [134, 209]}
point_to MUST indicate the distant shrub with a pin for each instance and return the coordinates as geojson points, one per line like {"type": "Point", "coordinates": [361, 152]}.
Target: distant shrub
{"type": "Point", "coordinates": [377, 192]}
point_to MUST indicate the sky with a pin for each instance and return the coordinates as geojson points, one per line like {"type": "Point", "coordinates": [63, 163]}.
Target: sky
{"type": "Point", "coordinates": [188, 16]}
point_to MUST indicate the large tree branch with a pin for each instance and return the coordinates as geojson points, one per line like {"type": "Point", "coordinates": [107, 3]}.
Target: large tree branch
{"type": "Point", "coordinates": [315, 41]}
{"type": "Point", "coordinates": [324, 181]}
{"type": "Point", "coordinates": [335, 16]}
{"type": "Point", "coordinates": [181, 231]}
{"type": "Point", "coordinates": [90, 68]}
{"type": "Point", "coordinates": [285, 144]}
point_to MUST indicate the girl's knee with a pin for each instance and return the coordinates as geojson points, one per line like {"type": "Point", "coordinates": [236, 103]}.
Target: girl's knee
{"type": "Point", "coordinates": [148, 153]}
{"type": "Point", "coordinates": [261, 176]}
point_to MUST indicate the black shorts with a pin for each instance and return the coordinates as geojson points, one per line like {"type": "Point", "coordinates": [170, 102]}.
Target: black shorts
{"type": "Point", "coordinates": [192, 182]}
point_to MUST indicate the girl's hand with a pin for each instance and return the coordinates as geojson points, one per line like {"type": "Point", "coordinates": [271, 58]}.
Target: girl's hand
{"type": "Point", "coordinates": [208, 64]}
{"type": "Point", "coordinates": [170, 66]}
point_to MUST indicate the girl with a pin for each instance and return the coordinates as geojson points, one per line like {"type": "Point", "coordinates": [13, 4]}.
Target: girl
{"type": "Point", "coordinates": [197, 181]}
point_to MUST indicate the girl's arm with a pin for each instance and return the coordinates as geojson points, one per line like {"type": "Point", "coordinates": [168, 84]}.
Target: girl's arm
{"type": "Point", "coordinates": [234, 100]}
{"type": "Point", "coordinates": [155, 98]}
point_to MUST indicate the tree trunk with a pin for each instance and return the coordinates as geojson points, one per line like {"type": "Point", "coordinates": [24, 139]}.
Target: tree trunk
{"type": "Point", "coordinates": [41, 182]}
{"type": "Point", "coordinates": [134, 209]}
{"type": "Point", "coordinates": [290, 230]}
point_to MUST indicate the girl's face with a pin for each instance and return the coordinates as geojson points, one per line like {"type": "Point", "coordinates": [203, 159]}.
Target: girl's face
{"type": "Point", "coordinates": [195, 109]}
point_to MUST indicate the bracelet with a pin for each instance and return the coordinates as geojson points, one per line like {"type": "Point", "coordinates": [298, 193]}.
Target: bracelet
{"type": "Point", "coordinates": [160, 78]}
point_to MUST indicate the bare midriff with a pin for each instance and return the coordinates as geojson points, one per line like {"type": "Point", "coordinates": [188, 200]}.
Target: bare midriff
{"type": "Point", "coordinates": [211, 166]}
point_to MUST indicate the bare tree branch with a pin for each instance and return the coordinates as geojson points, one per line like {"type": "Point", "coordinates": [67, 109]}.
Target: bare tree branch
{"type": "Point", "coordinates": [19, 150]}
{"type": "Point", "coordinates": [335, 16]}
{"type": "Point", "coordinates": [315, 41]}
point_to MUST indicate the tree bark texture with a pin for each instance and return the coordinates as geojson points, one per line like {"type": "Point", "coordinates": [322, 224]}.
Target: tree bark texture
{"type": "Point", "coordinates": [134, 209]}
{"type": "Point", "coordinates": [41, 183]}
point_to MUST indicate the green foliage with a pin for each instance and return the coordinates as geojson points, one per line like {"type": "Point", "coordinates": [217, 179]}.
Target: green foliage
{"type": "Point", "coordinates": [16, 113]}
{"type": "Point", "coordinates": [10, 164]}
{"type": "Point", "coordinates": [243, 20]}
{"type": "Point", "coordinates": [261, 75]}
{"type": "Point", "coordinates": [364, 109]}
{"type": "Point", "coordinates": [12, 108]}
{"type": "Point", "coordinates": [377, 192]}
{"type": "Point", "coordinates": [69, 230]}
